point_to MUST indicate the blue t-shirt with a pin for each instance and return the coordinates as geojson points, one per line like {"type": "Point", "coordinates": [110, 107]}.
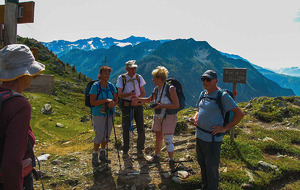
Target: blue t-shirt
{"type": "Point", "coordinates": [105, 93]}
{"type": "Point", "coordinates": [210, 114]}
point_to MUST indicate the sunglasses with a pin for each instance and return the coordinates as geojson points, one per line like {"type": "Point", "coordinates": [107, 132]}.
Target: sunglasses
{"type": "Point", "coordinates": [205, 79]}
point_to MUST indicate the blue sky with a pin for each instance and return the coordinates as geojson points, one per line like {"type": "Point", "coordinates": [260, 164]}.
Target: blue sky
{"type": "Point", "coordinates": [265, 32]}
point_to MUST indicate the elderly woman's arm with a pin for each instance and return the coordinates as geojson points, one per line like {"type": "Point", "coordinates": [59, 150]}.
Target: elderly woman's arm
{"type": "Point", "coordinates": [174, 100]}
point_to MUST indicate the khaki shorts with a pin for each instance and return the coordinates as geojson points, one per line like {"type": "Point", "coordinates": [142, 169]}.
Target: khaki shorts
{"type": "Point", "coordinates": [166, 125]}
{"type": "Point", "coordinates": [100, 128]}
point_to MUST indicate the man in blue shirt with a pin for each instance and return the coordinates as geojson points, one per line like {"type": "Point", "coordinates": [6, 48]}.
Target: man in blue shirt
{"type": "Point", "coordinates": [209, 122]}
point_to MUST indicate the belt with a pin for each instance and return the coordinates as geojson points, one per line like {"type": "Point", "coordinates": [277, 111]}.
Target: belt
{"type": "Point", "coordinates": [128, 103]}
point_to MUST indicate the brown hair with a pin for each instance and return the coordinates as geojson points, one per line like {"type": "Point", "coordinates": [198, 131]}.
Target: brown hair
{"type": "Point", "coordinates": [104, 68]}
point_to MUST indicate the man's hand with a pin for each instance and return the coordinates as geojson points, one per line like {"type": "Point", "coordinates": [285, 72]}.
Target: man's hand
{"type": "Point", "coordinates": [217, 129]}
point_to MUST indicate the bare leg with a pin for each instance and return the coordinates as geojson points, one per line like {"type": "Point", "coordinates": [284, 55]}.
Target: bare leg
{"type": "Point", "coordinates": [159, 140]}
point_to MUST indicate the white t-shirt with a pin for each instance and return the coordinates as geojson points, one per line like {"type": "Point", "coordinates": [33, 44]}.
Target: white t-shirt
{"type": "Point", "coordinates": [164, 100]}
{"type": "Point", "coordinates": [131, 84]}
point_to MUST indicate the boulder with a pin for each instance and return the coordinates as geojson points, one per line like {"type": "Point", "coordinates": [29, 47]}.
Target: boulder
{"type": "Point", "coordinates": [47, 109]}
{"type": "Point", "coordinates": [268, 139]}
{"type": "Point", "coordinates": [182, 174]}
{"type": "Point", "coordinates": [59, 125]}
{"type": "Point", "coordinates": [267, 166]}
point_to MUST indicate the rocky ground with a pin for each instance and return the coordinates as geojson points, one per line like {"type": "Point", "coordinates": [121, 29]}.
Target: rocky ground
{"type": "Point", "coordinates": [74, 171]}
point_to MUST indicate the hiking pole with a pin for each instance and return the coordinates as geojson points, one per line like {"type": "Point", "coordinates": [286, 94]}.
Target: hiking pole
{"type": "Point", "coordinates": [131, 129]}
{"type": "Point", "coordinates": [113, 123]}
{"type": "Point", "coordinates": [106, 155]}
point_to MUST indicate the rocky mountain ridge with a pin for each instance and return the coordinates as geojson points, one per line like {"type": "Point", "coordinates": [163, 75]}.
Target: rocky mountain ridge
{"type": "Point", "coordinates": [186, 59]}
{"type": "Point", "coordinates": [61, 47]}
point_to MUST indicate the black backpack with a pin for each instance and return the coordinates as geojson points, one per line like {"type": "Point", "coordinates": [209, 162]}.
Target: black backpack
{"type": "Point", "coordinates": [179, 91]}
{"type": "Point", "coordinates": [88, 88]}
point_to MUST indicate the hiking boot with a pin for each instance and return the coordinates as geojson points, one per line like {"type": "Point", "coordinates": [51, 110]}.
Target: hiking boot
{"type": "Point", "coordinates": [125, 155]}
{"type": "Point", "coordinates": [95, 161]}
{"type": "Point", "coordinates": [155, 159]}
{"type": "Point", "coordinates": [172, 165]}
{"type": "Point", "coordinates": [140, 154]}
{"type": "Point", "coordinates": [102, 157]}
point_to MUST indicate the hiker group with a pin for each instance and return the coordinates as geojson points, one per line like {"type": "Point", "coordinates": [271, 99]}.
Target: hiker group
{"type": "Point", "coordinates": [18, 67]}
{"type": "Point", "coordinates": [217, 113]}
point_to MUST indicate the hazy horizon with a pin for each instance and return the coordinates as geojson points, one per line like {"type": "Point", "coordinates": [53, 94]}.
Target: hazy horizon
{"type": "Point", "coordinates": [266, 33]}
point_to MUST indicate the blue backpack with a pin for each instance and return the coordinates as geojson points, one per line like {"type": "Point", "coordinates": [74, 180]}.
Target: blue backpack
{"type": "Point", "coordinates": [227, 116]}
{"type": "Point", "coordinates": [99, 90]}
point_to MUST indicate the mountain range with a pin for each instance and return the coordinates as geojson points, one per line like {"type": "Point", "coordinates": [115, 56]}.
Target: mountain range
{"type": "Point", "coordinates": [291, 78]}
{"type": "Point", "coordinates": [61, 47]}
{"type": "Point", "coordinates": [186, 59]}
{"type": "Point", "coordinates": [292, 71]}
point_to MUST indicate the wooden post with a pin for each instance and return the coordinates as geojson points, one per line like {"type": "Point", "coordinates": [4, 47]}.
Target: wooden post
{"type": "Point", "coordinates": [234, 76]}
{"type": "Point", "coordinates": [234, 98]}
{"type": "Point", "coordinates": [10, 22]}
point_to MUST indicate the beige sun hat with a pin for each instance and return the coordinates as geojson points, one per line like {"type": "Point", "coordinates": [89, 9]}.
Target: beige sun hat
{"type": "Point", "coordinates": [16, 60]}
{"type": "Point", "coordinates": [131, 64]}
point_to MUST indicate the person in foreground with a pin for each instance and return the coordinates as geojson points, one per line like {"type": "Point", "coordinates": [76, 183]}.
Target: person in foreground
{"type": "Point", "coordinates": [17, 68]}
{"type": "Point", "coordinates": [103, 98]}
{"type": "Point", "coordinates": [165, 118]}
{"type": "Point", "coordinates": [210, 129]}
{"type": "Point", "coordinates": [131, 85]}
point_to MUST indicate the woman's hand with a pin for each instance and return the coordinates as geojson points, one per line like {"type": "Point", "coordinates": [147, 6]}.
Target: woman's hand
{"type": "Point", "coordinates": [159, 105]}
{"type": "Point", "coordinates": [193, 121]}
{"type": "Point", "coordinates": [111, 103]}
{"type": "Point", "coordinates": [134, 101]}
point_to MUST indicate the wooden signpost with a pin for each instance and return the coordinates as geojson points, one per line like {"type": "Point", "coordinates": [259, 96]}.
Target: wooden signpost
{"type": "Point", "coordinates": [234, 76]}
{"type": "Point", "coordinates": [11, 14]}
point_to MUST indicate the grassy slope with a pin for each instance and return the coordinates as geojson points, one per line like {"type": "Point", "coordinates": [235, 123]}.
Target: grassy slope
{"type": "Point", "coordinates": [236, 158]}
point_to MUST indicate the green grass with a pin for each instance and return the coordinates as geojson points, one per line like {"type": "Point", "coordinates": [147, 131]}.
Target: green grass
{"type": "Point", "coordinates": [238, 156]}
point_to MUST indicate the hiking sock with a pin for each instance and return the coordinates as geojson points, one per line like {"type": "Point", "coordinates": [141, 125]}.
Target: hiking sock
{"type": "Point", "coordinates": [172, 164]}
{"type": "Point", "coordinates": [95, 162]}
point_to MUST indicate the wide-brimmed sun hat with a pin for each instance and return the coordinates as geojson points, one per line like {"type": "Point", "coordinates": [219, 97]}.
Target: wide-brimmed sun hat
{"type": "Point", "coordinates": [17, 60]}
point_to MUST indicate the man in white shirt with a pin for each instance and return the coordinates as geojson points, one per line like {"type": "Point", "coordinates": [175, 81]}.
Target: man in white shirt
{"type": "Point", "coordinates": [131, 85]}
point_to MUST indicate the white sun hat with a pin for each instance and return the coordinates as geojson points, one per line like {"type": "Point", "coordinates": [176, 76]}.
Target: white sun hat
{"type": "Point", "coordinates": [17, 60]}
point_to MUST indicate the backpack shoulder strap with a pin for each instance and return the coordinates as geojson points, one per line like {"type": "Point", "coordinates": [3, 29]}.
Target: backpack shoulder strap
{"type": "Point", "coordinates": [111, 87]}
{"type": "Point", "coordinates": [219, 101]}
{"type": "Point", "coordinates": [168, 86]}
{"type": "Point", "coordinates": [98, 87]}
{"type": "Point", "coordinates": [123, 80]}
{"type": "Point", "coordinates": [155, 91]}
{"type": "Point", "coordinates": [5, 95]}
{"type": "Point", "coordinates": [137, 76]}
{"type": "Point", "coordinates": [200, 97]}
